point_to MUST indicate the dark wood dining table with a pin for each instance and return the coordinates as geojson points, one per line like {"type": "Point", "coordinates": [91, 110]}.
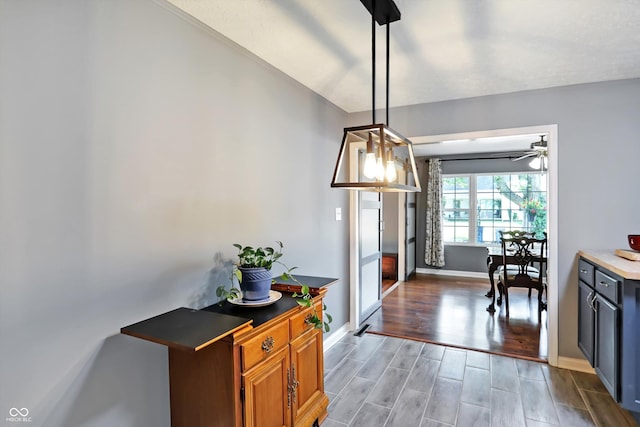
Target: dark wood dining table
{"type": "Point", "coordinates": [494, 261]}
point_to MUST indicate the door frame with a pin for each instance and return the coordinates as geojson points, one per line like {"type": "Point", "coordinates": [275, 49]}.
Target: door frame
{"type": "Point", "coordinates": [551, 130]}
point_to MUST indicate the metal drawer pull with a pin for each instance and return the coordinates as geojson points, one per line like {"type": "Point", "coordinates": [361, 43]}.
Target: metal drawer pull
{"type": "Point", "coordinates": [294, 384]}
{"type": "Point", "coordinates": [605, 284]}
{"type": "Point", "coordinates": [267, 344]}
{"type": "Point", "coordinates": [591, 301]}
{"type": "Point", "coordinates": [584, 271]}
{"type": "Point", "coordinates": [288, 389]}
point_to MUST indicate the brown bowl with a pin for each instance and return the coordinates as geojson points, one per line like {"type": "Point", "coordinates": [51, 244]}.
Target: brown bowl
{"type": "Point", "coordinates": [634, 241]}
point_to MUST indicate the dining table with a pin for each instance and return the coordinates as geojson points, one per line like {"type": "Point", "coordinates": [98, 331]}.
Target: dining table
{"type": "Point", "coordinates": [495, 259]}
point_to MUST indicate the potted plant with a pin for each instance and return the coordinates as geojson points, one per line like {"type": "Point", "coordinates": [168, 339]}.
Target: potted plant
{"type": "Point", "coordinates": [532, 207]}
{"type": "Point", "coordinates": [253, 273]}
{"type": "Point", "coordinates": [253, 270]}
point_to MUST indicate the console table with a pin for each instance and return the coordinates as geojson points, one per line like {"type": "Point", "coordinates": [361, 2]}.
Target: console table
{"type": "Point", "coordinates": [243, 366]}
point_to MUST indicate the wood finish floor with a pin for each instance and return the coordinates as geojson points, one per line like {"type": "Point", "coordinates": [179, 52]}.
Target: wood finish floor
{"type": "Point", "coordinates": [376, 381]}
{"type": "Point", "coordinates": [452, 311]}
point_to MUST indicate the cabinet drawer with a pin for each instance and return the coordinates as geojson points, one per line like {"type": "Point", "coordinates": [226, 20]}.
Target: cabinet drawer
{"type": "Point", "coordinates": [585, 271]}
{"type": "Point", "coordinates": [263, 345]}
{"type": "Point", "coordinates": [298, 322]}
{"type": "Point", "coordinates": [607, 286]}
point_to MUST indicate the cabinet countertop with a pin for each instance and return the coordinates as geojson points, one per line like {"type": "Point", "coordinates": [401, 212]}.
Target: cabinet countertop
{"type": "Point", "coordinates": [609, 260]}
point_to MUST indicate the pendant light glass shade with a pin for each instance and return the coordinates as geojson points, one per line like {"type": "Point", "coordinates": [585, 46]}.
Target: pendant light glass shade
{"type": "Point", "coordinates": [391, 154]}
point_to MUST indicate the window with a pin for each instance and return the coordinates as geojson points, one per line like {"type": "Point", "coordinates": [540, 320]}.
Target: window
{"type": "Point", "coordinates": [476, 207]}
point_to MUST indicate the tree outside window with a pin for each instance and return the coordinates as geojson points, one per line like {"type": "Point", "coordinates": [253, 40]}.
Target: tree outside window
{"type": "Point", "coordinates": [493, 203]}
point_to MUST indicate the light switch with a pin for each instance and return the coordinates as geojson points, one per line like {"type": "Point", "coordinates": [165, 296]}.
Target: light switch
{"type": "Point", "coordinates": [338, 214]}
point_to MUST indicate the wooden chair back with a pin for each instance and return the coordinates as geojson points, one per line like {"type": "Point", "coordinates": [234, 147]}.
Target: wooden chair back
{"type": "Point", "coordinates": [526, 260]}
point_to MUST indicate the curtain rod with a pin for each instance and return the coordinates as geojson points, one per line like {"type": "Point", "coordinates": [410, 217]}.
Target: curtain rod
{"type": "Point", "coordinates": [515, 156]}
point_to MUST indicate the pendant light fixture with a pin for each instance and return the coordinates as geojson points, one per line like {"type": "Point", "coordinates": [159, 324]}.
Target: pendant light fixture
{"type": "Point", "coordinates": [374, 157]}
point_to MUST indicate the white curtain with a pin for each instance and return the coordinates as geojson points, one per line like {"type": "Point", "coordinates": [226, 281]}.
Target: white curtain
{"type": "Point", "coordinates": [434, 245]}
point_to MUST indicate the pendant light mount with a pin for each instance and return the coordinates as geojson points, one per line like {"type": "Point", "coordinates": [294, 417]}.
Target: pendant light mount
{"type": "Point", "coordinates": [383, 11]}
{"type": "Point", "coordinates": [374, 157]}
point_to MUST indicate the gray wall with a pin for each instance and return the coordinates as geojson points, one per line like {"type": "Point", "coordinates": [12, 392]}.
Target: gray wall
{"type": "Point", "coordinates": [390, 214]}
{"type": "Point", "coordinates": [134, 146]}
{"type": "Point", "coordinates": [598, 152]}
{"type": "Point", "coordinates": [468, 258]}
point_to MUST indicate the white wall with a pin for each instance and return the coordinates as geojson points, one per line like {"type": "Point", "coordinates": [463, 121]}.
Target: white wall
{"type": "Point", "coordinates": [598, 152]}
{"type": "Point", "coordinates": [134, 146]}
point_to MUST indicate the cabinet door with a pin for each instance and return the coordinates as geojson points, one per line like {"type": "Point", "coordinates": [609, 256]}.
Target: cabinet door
{"type": "Point", "coordinates": [585, 320]}
{"type": "Point", "coordinates": [606, 356]}
{"type": "Point", "coordinates": [308, 398]}
{"type": "Point", "coordinates": [267, 402]}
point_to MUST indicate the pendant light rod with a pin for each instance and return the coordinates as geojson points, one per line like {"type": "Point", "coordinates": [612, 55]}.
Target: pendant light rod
{"type": "Point", "coordinates": [373, 64]}
{"type": "Point", "coordinates": [387, 81]}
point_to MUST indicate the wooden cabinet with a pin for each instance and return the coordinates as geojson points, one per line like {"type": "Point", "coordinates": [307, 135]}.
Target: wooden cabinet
{"type": "Point", "coordinates": [608, 321]}
{"type": "Point", "coordinates": [266, 389]}
{"type": "Point", "coordinates": [287, 387]}
{"type": "Point", "coordinates": [264, 369]}
{"type": "Point", "coordinates": [307, 372]}
{"type": "Point", "coordinates": [390, 266]}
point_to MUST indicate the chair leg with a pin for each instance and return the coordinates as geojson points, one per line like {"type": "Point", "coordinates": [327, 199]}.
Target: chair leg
{"type": "Point", "coordinates": [529, 293]}
{"type": "Point", "coordinates": [541, 305]}
{"type": "Point", "coordinates": [500, 292]}
{"type": "Point", "coordinates": [506, 298]}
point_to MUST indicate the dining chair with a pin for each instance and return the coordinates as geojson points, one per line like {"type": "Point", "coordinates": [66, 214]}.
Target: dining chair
{"type": "Point", "coordinates": [519, 256]}
{"type": "Point", "coordinates": [510, 234]}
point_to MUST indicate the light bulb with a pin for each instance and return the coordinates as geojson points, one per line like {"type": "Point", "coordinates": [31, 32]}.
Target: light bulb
{"type": "Point", "coordinates": [391, 171]}
{"type": "Point", "coordinates": [379, 169]}
{"type": "Point", "coordinates": [370, 165]}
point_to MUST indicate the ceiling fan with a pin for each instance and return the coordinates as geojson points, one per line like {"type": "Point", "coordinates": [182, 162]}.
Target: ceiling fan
{"type": "Point", "coordinates": [539, 153]}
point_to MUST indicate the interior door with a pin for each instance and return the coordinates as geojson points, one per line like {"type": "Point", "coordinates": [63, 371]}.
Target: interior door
{"type": "Point", "coordinates": [410, 232]}
{"type": "Point", "coordinates": [370, 253]}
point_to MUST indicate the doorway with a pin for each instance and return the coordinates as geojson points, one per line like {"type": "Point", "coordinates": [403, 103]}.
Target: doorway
{"type": "Point", "coordinates": [552, 137]}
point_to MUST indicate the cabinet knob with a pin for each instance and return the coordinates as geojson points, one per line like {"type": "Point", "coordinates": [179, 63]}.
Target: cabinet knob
{"type": "Point", "coordinates": [267, 344]}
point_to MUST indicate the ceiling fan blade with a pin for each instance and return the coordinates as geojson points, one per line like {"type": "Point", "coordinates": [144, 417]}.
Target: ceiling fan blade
{"type": "Point", "coordinates": [524, 156]}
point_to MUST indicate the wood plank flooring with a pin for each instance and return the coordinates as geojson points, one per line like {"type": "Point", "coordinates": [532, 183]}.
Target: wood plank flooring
{"type": "Point", "coordinates": [452, 311]}
{"type": "Point", "coordinates": [376, 381]}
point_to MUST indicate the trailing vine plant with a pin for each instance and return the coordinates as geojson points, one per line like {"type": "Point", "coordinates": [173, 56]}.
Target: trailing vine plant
{"type": "Point", "coordinates": [304, 299]}
{"type": "Point", "coordinates": [270, 256]}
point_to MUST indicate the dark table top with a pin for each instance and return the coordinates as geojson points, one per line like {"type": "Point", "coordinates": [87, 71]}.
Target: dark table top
{"type": "Point", "coordinates": [186, 328]}
{"type": "Point", "coordinates": [311, 281]}
{"type": "Point", "coordinates": [192, 330]}
{"type": "Point", "coordinates": [259, 315]}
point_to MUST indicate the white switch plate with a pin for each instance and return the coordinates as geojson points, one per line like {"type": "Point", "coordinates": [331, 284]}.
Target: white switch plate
{"type": "Point", "coordinates": [338, 214]}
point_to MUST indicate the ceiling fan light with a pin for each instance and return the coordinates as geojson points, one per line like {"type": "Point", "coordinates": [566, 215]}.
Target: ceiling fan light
{"type": "Point", "coordinates": [535, 163]}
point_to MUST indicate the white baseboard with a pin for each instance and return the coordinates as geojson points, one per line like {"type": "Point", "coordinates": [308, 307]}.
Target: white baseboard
{"type": "Point", "coordinates": [581, 365]}
{"type": "Point", "coordinates": [336, 336]}
{"type": "Point", "coordinates": [436, 271]}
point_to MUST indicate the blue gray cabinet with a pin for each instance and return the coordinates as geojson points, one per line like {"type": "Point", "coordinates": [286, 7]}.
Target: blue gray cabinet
{"type": "Point", "coordinates": [609, 329]}
{"type": "Point", "coordinates": [586, 319]}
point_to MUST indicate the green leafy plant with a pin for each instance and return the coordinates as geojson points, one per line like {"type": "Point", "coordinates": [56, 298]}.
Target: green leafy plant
{"type": "Point", "coordinates": [305, 299]}
{"type": "Point", "coordinates": [249, 257]}
{"type": "Point", "coordinates": [533, 206]}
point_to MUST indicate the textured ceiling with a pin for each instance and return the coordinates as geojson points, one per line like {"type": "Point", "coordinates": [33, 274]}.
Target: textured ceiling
{"type": "Point", "coordinates": [440, 49]}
